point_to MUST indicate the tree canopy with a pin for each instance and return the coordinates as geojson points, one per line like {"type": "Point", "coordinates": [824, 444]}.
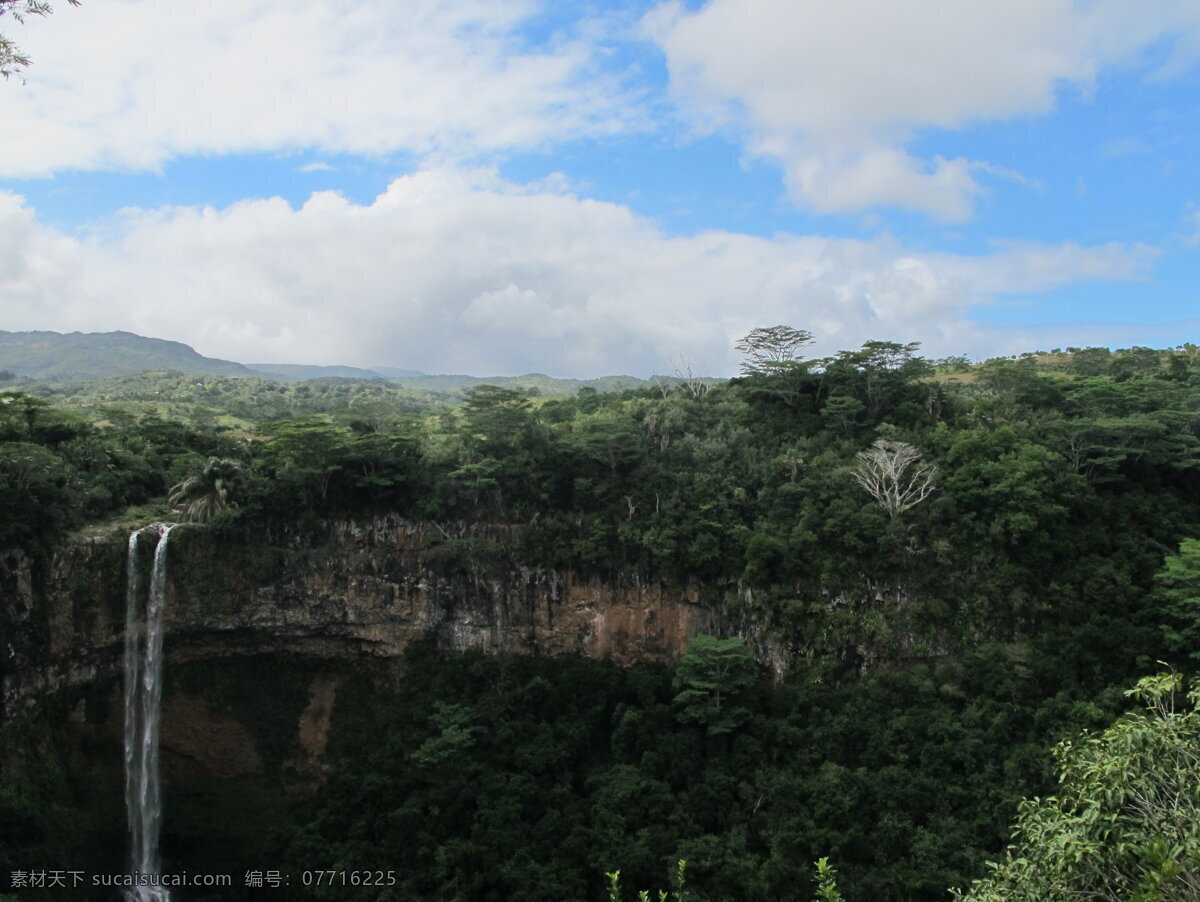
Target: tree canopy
{"type": "Point", "coordinates": [770, 348]}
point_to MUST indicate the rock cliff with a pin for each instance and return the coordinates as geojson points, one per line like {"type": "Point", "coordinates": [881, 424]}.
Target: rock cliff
{"type": "Point", "coordinates": [337, 590]}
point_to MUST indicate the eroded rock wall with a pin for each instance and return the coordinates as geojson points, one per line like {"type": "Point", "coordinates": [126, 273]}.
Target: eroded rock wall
{"type": "Point", "coordinates": [344, 590]}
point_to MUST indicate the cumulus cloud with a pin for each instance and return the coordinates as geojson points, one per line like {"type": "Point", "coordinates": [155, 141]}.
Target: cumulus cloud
{"type": "Point", "coordinates": [836, 91]}
{"type": "Point", "coordinates": [169, 78]}
{"type": "Point", "coordinates": [453, 270]}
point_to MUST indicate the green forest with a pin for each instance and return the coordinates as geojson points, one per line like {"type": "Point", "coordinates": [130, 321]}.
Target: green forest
{"type": "Point", "coordinates": [960, 566]}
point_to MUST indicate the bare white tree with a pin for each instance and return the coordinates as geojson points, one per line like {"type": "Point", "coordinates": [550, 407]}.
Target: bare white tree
{"type": "Point", "coordinates": [895, 477]}
{"type": "Point", "coordinates": [695, 385]}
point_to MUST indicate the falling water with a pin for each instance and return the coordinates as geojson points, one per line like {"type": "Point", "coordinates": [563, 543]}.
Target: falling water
{"type": "Point", "coordinates": [143, 697]}
{"type": "Point", "coordinates": [133, 661]}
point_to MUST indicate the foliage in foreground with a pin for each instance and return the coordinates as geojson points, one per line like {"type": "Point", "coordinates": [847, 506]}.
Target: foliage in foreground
{"type": "Point", "coordinates": [1125, 825]}
{"type": "Point", "coordinates": [826, 876]}
{"type": "Point", "coordinates": [679, 880]}
{"type": "Point", "coordinates": [827, 888]}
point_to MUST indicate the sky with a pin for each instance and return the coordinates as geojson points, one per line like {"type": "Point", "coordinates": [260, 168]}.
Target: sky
{"type": "Point", "coordinates": [499, 187]}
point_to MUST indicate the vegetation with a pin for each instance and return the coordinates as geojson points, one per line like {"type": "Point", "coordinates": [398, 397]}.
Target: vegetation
{"type": "Point", "coordinates": [827, 889]}
{"type": "Point", "coordinates": [949, 568]}
{"type": "Point", "coordinates": [1177, 593]}
{"type": "Point", "coordinates": [679, 894]}
{"type": "Point", "coordinates": [12, 60]}
{"type": "Point", "coordinates": [1125, 824]}
{"type": "Point", "coordinates": [98, 355]}
{"type": "Point", "coordinates": [201, 496]}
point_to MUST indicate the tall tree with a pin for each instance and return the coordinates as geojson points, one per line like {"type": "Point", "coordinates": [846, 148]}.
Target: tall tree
{"type": "Point", "coordinates": [710, 679]}
{"type": "Point", "coordinates": [307, 454]}
{"type": "Point", "coordinates": [19, 413]}
{"type": "Point", "coordinates": [769, 349]}
{"type": "Point", "coordinates": [773, 365]}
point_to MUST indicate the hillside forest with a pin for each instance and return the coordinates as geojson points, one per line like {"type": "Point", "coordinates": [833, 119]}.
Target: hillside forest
{"type": "Point", "coordinates": [938, 570]}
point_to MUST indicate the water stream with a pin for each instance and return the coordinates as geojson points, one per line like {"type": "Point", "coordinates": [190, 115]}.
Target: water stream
{"type": "Point", "coordinates": [143, 698]}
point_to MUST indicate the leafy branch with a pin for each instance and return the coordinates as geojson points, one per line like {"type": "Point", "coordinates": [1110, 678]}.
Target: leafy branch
{"type": "Point", "coordinates": [11, 58]}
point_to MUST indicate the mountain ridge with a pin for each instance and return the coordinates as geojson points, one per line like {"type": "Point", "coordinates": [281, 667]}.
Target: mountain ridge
{"type": "Point", "coordinates": [60, 357]}
{"type": "Point", "coordinates": [81, 356]}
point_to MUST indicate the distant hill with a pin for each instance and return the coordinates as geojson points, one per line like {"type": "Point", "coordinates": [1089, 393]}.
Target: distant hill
{"type": "Point", "coordinates": [80, 356]}
{"type": "Point", "coordinates": [449, 384]}
{"type": "Point", "coordinates": [85, 356]}
{"type": "Point", "coordinates": [299, 372]}
{"type": "Point", "coordinates": [394, 372]}
{"type": "Point", "coordinates": [543, 384]}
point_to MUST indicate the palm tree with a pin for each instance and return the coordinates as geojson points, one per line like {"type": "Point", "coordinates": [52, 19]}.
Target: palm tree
{"type": "Point", "coordinates": [200, 496]}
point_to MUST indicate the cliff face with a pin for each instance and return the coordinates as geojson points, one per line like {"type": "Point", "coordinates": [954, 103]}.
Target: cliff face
{"type": "Point", "coordinates": [349, 590]}
{"type": "Point", "coordinates": [271, 640]}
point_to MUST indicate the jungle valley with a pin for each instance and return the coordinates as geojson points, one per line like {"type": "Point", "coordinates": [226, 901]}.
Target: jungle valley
{"type": "Point", "coordinates": [500, 640]}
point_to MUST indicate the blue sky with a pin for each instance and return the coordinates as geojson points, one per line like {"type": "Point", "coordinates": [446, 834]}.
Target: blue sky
{"type": "Point", "coordinates": [504, 186]}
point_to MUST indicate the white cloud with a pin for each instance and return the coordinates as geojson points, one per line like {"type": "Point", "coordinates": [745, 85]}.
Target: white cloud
{"type": "Point", "coordinates": [1191, 236]}
{"type": "Point", "coordinates": [456, 270]}
{"type": "Point", "coordinates": [836, 91]}
{"type": "Point", "coordinates": [883, 177]}
{"type": "Point", "coordinates": [444, 77]}
{"type": "Point", "coordinates": [1031, 267]}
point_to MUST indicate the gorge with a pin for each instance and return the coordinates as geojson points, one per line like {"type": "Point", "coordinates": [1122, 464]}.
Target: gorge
{"type": "Point", "coordinates": [320, 605]}
{"type": "Point", "coordinates": [503, 648]}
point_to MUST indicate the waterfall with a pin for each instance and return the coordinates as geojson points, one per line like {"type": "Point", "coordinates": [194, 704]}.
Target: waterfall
{"type": "Point", "coordinates": [133, 669]}
{"type": "Point", "coordinates": [143, 697]}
